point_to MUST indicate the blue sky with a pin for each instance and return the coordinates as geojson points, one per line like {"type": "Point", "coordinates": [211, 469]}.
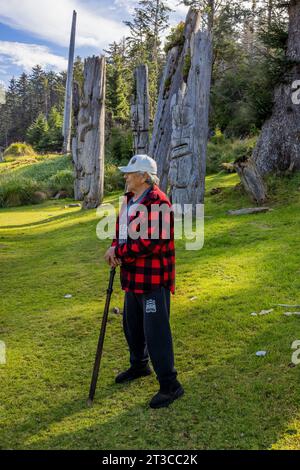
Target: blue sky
{"type": "Point", "coordinates": [38, 31]}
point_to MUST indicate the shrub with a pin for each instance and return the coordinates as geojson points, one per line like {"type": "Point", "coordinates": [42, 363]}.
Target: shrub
{"type": "Point", "coordinates": [19, 149]}
{"type": "Point", "coordinates": [176, 37]}
{"type": "Point", "coordinates": [221, 150]}
{"type": "Point", "coordinates": [17, 191]}
{"type": "Point", "coordinates": [218, 137]}
{"type": "Point", "coordinates": [46, 167]}
{"type": "Point", "coordinates": [113, 179]}
{"type": "Point", "coordinates": [35, 181]}
{"type": "Point", "coordinates": [186, 66]}
{"type": "Point", "coordinates": [244, 148]}
{"type": "Point", "coordinates": [63, 180]}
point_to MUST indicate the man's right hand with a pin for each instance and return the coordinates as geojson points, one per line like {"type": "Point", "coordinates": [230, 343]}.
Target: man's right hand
{"type": "Point", "coordinates": [110, 257]}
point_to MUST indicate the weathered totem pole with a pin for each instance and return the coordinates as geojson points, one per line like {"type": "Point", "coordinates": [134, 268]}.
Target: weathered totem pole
{"type": "Point", "coordinates": [190, 108]}
{"type": "Point", "coordinates": [67, 124]}
{"type": "Point", "coordinates": [88, 144]}
{"type": "Point", "coordinates": [140, 110]}
{"type": "Point", "coordinates": [173, 75]}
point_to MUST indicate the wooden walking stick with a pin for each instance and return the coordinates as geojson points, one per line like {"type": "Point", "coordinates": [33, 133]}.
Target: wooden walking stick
{"type": "Point", "coordinates": [101, 339]}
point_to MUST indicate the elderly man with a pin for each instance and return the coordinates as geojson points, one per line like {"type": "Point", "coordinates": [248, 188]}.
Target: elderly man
{"type": "Point", "coordinates": [147, 276]}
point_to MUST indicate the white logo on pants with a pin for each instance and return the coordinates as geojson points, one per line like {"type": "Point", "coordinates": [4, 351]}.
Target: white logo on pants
{"type": "Point", "coordinates": [150, 306]}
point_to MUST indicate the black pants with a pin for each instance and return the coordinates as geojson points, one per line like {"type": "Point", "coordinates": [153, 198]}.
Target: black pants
{"type": "Point", "coordinates": [148, 333]}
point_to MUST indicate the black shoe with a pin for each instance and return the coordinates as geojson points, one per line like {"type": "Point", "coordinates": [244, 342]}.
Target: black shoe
{"type": "Point", "coordinates": [166, 395]}
{"type": "Point", "coordinates": [132, 374]}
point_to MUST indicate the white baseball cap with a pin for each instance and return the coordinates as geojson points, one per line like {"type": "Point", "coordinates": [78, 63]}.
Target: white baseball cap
{"type": "Point", "coordinates": [140, 163]}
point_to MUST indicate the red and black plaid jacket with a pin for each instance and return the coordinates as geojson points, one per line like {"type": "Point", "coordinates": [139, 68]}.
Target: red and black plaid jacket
{"type": "Point", "coordinates": [148, 263]}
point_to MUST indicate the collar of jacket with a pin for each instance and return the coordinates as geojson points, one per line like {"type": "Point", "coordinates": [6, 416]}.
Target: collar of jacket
{"type": "Point", "coordinates": [153, 195]}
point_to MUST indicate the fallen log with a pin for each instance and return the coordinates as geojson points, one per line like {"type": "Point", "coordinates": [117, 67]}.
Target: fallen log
{"type": "Point", "coordinates": [248, 210]}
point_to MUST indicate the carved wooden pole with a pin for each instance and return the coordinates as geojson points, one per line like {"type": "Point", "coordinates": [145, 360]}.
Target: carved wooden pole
{"type": "Point", "coordinates": [170, 83]}
{"type": "Point", "coordinates": [278, 146]}
{"type": "Point", "coordinates": [67, 124]}
{"type": "Point", "coordinates": [140, 111]}
{"type": "Point", "coordinates": [76, 107]}
{"type": "Point", "coordinates": [190, 108]}
{"type": "Point", "coordinates": [88, 145]}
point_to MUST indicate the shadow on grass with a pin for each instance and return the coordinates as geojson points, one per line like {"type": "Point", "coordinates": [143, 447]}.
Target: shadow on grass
{"type": "Point", "coordinates": [230, 406]}
{"type": "Point", "coordinates": [233, 398]}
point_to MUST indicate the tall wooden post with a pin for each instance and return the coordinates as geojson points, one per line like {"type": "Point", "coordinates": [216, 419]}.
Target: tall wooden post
{"type": "Point", "coordinates": [173, 76]}
{"type": "Point", "coordinates": [88, 145]}
{"type": "Point", "coordinates": [67, 124]}
{"type": "Point", "coordinates": [140, 111]}
{"type": "Point", "coordinates": [190, 108]}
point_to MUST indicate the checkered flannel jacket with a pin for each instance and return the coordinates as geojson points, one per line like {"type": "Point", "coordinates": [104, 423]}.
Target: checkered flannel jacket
{"type": "Point", "coordinates": [148, 263]}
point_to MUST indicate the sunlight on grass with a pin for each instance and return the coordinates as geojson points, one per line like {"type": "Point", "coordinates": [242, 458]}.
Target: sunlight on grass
{"type": "Point", "coordinates": [233, 399]}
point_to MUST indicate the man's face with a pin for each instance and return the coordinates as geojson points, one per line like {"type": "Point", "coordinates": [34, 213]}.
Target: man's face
{"type": "Point", "coordinates": [134, 181]}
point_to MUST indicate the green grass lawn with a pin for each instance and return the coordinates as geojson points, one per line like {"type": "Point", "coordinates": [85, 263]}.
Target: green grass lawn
{"type": "Point", "coordinates": [233, 399]}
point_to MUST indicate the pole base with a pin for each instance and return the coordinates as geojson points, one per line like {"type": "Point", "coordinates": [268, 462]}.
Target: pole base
{"type": "Point", "coordinates": [89, 403]}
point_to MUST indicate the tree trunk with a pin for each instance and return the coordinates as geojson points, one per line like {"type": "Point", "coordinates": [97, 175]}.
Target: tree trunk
{"type": "Point", "coordinates": [140, 111]}
{"type": "Point", "coordinates": [171, 81]}
{"type": "Point", "coordinates": [67, 124]}
{"type": "Point", "coordinates": [190, 108]}
{"type": "Point", "coordinates": [278, 147]}
{"type": "Point", "coordinates": [88, 145]}
{"type": "Point", "coordinates": [252, 181]}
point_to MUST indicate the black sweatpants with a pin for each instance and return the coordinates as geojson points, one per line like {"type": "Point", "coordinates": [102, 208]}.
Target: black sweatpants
{"type": "Point", "coordinates": [148, 333]}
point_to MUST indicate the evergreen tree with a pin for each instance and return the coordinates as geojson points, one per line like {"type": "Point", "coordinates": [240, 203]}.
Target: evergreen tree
{"type": "Point", "coordinates": [37, 132]}
{"type": "Point", "coordinates": [150, 20]}
{"type": "Point", "coordinates": [52, 139]}
{"type": "Point", "coordinates": [11, 110]}
{"type": "Point", "coordinates": [26, 98]}
{"type": "Point", "coordinates": [118, 82]}
{"type": "Point", "coordinates": [24, 110]}
{"type": "Point", "coordinates": [78, 70]}
{"type": "Point", "coordinates": [39, 91]}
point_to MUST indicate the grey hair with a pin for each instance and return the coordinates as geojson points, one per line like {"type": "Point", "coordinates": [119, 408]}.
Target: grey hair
{"type": "Point", "coordinates": [151, 179]}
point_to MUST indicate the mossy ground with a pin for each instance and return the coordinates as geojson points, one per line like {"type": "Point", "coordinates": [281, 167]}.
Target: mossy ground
{"type": "Point", "coordinates": [233, 399]}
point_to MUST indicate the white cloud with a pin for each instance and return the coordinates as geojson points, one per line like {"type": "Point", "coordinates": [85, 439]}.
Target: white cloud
{"type": "Point", "coordinates": [99, 22]}
{"type": "Point", "coordinates": [51, 20]}
{"type": "Point", "coordinates": [179, 8]}
{"type": "Point", "coordinates": [29, 55]}
{"type": "Point", "coordinates": [178, 14]}
{"type": "Point", "coordinates": [127, 5]}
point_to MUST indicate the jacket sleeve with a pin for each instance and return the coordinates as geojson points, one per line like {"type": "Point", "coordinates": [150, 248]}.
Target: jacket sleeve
{"type": "Point", "coordinates": [159, 224]}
